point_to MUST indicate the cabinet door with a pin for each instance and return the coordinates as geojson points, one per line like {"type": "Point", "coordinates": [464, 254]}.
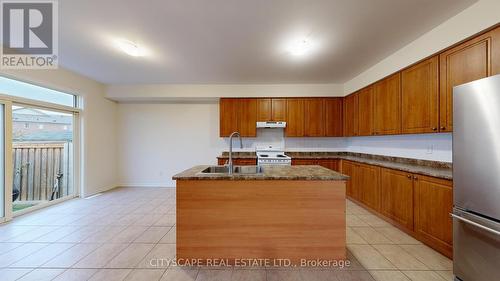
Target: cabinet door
{"type": "Point", "coordinates": [464, 63]}
{"type": "Point", "coordinates": [295, 118]}
{"type": "Point", "coordinates": [228, 116]}
{"type": "Point", "coordinates": [348, 168]}
{"type": "Point", "coordinates": [334, 117]}
{"type": "Point", "coordinates": [396, 201]}
{"type": "Point", "coordinates": [278, 109]}
{"type": "Point", "coordinates": [433, 205]}
{"type": "Point", "coordinates": [264, 110]}
{"type": "Point", "coordinates": [332, 164]}
{"type": "Point", "coordinates": [365, 111]}
{"type": "Point", "coordinates": [247, 117]}
{"type": "Point", "coordinates": [298, 161]}
{"type": "Point", "coordinates": [351, 115]}
{"type": "Point", "coordinates": [387, 106]}
{"type": "Point", "coordinates": [245, 161]}
{"type": "Point", "coordinates": [420, 97]}
{"type": "Point", "coordinates": [369, 185]}
{"type": "Point", "coordinates": [314, 117]}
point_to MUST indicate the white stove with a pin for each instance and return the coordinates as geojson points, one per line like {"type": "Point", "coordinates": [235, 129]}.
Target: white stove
{"type": "Point", "coordinates": [272, 155]}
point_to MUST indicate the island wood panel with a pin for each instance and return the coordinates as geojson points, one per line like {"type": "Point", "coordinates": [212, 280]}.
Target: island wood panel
{"type": "Point", "coordinates": [334, 117]}
{"type": "Point", "coordinates": [261, 219]}
{"type": "Point", "coordinates": [420, 97]}
{"type": "Point", "coordinates": [433, 205]}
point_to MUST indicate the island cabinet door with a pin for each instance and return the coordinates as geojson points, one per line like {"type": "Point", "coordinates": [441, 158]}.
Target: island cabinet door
{"type": "Point", "coordinates": [433, 205]}
{"type": "Point", "coordinates": [396, 201]}
{"type": "Point", "coordinates": [369, 185]}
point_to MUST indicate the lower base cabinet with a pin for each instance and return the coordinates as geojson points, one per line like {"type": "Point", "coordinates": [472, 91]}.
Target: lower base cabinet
{"type": "Point", "coordinates": [332, 164]}
{"type": "Point", "coordinates": [433, 205]}
{"type": "Point", "coordinates": [239, 161]}
{"type": "Point", "coordinates": [417, 204]}
{"type": "Point", "coordinates": [397, 199]}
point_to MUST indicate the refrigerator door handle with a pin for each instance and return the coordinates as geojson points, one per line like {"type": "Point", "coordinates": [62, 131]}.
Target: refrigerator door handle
{"type": "Point", "coordinates": [476, 224]}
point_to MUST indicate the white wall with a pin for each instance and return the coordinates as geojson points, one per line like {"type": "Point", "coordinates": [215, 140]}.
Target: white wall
{"type": "Point", "coordinates": [98, 123]}
{"type": "Point", "coordinates": [166, 92]}
{"type": "Point", "coordinates": [476, 18]}
{"type": "Point", "coordinates": [437, 147]}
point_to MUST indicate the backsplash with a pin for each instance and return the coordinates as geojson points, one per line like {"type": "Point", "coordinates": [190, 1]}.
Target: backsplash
{"type": "Point", "coordinates": [434, 147]}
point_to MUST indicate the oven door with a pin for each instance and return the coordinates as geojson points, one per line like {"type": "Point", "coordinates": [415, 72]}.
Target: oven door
{"type": "Point", "coordinates": [476, 247]}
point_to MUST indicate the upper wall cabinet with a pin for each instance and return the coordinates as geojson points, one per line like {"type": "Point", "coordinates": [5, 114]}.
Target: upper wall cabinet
{"type": "Point", "coordinates": [387, 106]}
{"type": "Point", "coordinates": [365, 112]}
{"type": "Point", "coordinates": [464, 63]}
{"type": "Point", "coordinates": [314, 117]}
{"type": "Point", "coordinates": [351, 115]}
{"type": "Point", "coordinates": [334, 117]}
{"type": "Point", "coordinates": [238, 115]}
{"type": "Point", "coordinates": [295, 118]}
{"type": "Point", "coordinates": [271, 109]}
{"type": "Point", "coordinates": [420, 97]}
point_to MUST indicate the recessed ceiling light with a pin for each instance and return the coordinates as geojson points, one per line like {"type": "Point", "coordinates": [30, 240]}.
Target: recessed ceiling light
{"type": "Point", "coordinates": [131, 48]}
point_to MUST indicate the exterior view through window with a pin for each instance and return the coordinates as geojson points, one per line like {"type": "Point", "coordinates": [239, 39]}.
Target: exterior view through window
{"type": "Point", "coordinates": [42, 152]}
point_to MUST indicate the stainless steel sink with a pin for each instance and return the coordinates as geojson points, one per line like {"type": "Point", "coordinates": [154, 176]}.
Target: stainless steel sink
{"type": "Point", "coordinates": [237, 170]}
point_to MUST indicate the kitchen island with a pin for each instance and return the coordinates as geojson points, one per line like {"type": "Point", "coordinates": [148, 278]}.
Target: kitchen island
{"type": "Point", "coordinates": [294, 213]}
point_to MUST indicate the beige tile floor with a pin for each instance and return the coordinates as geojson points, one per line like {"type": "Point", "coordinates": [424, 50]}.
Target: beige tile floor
{"type": "Point", "coordinates": [115, 235]}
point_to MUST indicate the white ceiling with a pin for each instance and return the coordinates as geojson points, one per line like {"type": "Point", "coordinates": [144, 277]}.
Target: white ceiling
{"type": "Point", "coordinates": [239, 41]}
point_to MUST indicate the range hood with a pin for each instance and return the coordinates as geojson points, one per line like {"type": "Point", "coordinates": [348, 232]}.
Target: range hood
{"type": "Point", "coordinates": [271, 124]}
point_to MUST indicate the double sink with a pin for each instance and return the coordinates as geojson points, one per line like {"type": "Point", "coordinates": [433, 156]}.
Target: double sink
{"type": "Point", "coordinates": [237, 170]}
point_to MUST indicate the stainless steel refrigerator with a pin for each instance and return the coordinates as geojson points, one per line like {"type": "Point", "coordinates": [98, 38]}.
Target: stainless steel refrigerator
{"type": "Point", "coordinates": [476, 180]}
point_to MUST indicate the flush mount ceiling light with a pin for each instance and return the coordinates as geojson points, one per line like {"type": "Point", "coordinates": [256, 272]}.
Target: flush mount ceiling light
{"type": "Point", "coordinates": [301, 46]}
{"type": "Point", "coordinates": [130, 48]}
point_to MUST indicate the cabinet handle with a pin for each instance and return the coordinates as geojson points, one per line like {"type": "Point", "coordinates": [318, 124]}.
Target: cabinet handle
{"type": "Point", "coordinates": [434, 129]}
{"type": "Point", "coordinates": [415, 177]}
{"type": "Point", "coordinates": [443, 128]}
{"type": "Point", "coordinates": [409, 176]}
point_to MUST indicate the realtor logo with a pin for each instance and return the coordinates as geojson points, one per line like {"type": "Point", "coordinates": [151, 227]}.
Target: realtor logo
{"type": "Point", "coordinates": [29, 34]}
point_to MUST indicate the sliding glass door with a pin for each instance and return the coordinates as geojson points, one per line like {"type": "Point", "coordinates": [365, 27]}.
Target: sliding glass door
{"type": "Point", "coordinates": [5, 164]}
{"type": "Point", "coordinates": [42, 156]}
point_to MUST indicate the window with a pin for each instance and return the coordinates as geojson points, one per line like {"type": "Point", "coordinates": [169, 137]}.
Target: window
{"type": "Point", "coordinates": [25, 90]}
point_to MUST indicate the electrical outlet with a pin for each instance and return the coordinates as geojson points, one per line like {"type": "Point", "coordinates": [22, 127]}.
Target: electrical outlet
{"type": "Point", "coordinates": [430, 149]}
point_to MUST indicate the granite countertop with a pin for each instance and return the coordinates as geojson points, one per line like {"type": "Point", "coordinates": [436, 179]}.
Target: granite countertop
{"type": "Point", "coordinates": [436, 169]}
{"type": "Point", "coordinates": [309, 172]}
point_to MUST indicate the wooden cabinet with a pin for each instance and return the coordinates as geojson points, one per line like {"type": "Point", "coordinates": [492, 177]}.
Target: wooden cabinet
{"type": "Point", "coordinates": [278, 109]}
{"type": "Point", "coordinates": [271, 109]}
{"type": "Point", "coordinates": [464, 63]}
{"type": "Point", "coordinates": [334, 117]}
{"type": "Point", "coordinates": [228, 116]}
{"type": "Point", "coordinates": [369, 185]}
{"type": "Point", "coordinates": [264, 110]}
{"type": "Point", "coordinates": [295, 118]}
{"type": "Point", "coordinates": [365, 112]}
{"type": "Point", "coordinates": [351, 115]}
{"type": "Point", "coordinates": [397, 196]}
{"type": "Point", "coordinates": [387, 106]}
{"type": "Point", "coordinates": [433, 205]}
{"type": "Point", "coordinates": [420, 97]}
{"type": "Point", "coordinates": [349, 169]}
{"type": "Point", "coordinates": [332, 164]}
{"type": "Point", "coordinates": [314, 117]}
{"type": "Point", "coordinates": [238, 161]}
{"type": "Point", "coordinates": [247, 118]}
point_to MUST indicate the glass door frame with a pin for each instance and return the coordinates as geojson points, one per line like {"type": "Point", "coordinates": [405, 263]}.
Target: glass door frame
{"type": "Point", "coordinates": [7, 161]}
{"type": "Point", "coordinates": [8, 102]}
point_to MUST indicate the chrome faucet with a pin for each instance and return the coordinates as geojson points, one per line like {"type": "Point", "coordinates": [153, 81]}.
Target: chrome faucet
{"type": "Point", "coordinates": [230, 162]}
